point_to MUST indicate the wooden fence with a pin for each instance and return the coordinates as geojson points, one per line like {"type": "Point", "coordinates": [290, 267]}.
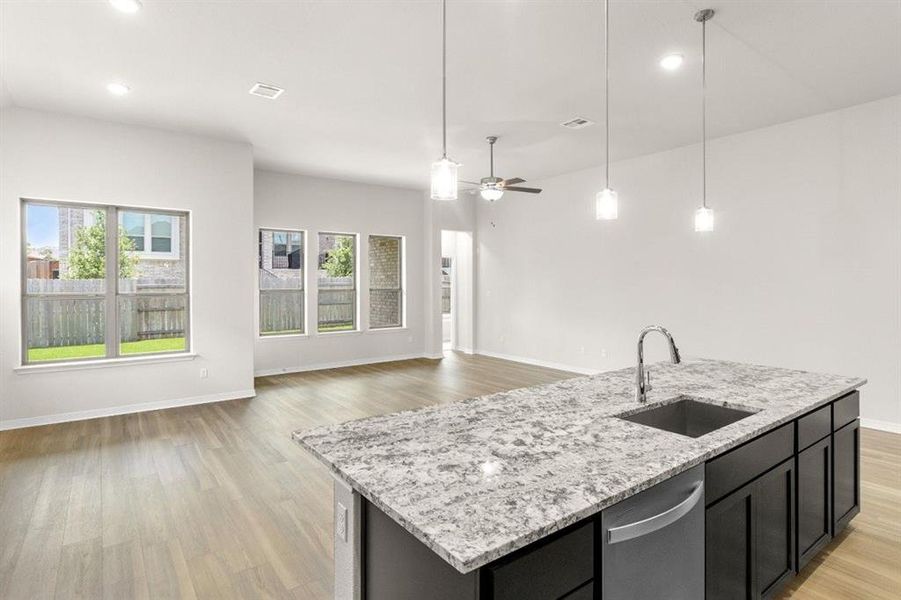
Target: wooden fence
{"type": "Point", "coordinates": [62, 316]}
{"type": "Point", "coordinates": [337, 302]}
{"type": "Point", "coordinates": [56, 318]}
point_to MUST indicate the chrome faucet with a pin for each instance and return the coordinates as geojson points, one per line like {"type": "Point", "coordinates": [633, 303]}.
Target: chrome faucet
{"type": "Point", "coordinates": [642, 385]}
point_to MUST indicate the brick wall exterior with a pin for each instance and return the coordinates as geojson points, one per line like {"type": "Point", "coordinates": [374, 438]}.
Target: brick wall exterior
{"type": "Point", "coordinates": [385, 295]}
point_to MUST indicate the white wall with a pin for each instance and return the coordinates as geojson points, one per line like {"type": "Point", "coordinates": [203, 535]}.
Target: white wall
{"type": "Point", "coordinates": [314, 205]}
{"type": "Point", "coordinates": [50, 156]}
{"type": "Point", "coordinates": [803, 270]}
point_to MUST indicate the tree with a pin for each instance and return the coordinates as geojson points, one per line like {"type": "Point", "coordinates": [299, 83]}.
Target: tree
{"type": "Point", "coordinates": [340, 260]}
{"type": "Point", "coordinates": [87, 257]}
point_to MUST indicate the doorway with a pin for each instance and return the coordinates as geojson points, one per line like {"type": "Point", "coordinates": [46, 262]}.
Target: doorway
{"type": "Point", "coordinates": [456, 291]}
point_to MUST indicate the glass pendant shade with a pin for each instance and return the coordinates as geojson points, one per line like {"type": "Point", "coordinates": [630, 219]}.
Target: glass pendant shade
{"type": "Point", "coordinates": [444, 179]}
{"type": "Point", "coordinates": [704, 219]}
{"type": "Point", "coordinates": [491, 193]}
{"type": "Point", "coordinates": [606, 205]}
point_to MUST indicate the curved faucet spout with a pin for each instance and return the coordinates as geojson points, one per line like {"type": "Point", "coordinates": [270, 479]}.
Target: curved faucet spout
{"type": "Point", "coordinates": [641, 385]}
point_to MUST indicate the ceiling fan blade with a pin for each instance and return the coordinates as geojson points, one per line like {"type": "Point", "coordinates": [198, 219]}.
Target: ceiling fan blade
{"type": "Point", "coordinates": [513, 181]}
{"type": "Point", "coordinates": [508, 188]}
{"type": "Point", "coordinates": [470, 182]}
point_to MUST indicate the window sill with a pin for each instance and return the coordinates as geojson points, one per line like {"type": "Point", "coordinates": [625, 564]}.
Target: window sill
{"type": "Point", "coordinates": [331, 333]}
{"type": "Point", "coordinates": [387, 329]}
{"type": "Point", "coordinates": [283, 336]}
{"type": "Point", "coordinates": [104, 363]}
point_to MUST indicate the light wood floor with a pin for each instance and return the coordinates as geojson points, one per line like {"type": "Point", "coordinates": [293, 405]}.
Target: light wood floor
{"type": "Point", "coordinates": [216, 501]}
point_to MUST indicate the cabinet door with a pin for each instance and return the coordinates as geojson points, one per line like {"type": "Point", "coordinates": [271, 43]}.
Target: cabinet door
{"type": "Point", "coordinates": [846, 475]}
{"type": "Point", "coordinates": [730, 541]}
{"type": "Point", "coordinates": [814, 500]}
{"type": "Point", "coordinates": [775, 522]}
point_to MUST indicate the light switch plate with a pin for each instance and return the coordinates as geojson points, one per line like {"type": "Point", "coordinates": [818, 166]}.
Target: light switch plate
{"type": "Point", "coordinates": [341, 522]}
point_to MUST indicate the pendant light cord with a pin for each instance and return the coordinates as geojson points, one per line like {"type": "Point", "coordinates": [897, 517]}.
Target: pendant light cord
{"type": "Point", "coordinates": [606, 94]}
{"type": "Point", "coordinates": [444, 78]}
{"type": "Point", "coordinates": [704, 113]}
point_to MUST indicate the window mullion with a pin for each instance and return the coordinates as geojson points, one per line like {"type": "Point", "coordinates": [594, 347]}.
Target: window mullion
{"type": "Point", "coordinates": [112, 282]}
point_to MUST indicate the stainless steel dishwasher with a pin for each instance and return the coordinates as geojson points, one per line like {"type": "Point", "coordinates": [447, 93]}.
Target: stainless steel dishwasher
{"type": "Point", "coordinates": [653, 542]}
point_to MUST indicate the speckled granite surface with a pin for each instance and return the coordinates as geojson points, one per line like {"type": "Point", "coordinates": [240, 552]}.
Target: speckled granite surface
{"type": "Point", "coordinates": [478, 479]}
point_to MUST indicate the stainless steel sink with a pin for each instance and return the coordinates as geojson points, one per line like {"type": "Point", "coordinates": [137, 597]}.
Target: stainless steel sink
{"type": "Point", "coordinates": [686, 416]}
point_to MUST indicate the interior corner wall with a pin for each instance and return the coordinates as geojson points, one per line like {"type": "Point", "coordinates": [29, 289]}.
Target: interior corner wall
{"type": "Point", "coordinates": [51, 156]}
{"type": "Point", "coordinates": [802, 271]}
{"type": "Point", "coordinates": [316, 205]}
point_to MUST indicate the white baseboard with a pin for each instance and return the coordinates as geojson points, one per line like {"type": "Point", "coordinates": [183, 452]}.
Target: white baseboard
{"type": "Point", "coordinates": [539, 363]}
{"type": "Point", "coordinates": [97, 413]}
{"type": "Point", "coordinates": [339, 364]}
{"type": "Point", "coordinates": [888, 426]}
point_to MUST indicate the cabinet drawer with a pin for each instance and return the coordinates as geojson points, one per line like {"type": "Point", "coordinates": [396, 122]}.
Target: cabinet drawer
{"type": "Point", "coordinates": [845, 410]}
{"type": "Point", "coordinates": [549, 571]}
{"type": "Point", "coordinates": [742, 464]}
{"type": "Point", "coordinates": [814, 426]}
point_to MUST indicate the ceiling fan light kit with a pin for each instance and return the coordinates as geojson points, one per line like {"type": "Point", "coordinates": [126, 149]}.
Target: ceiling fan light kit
{"type": "Point", "coordinates": [492, 188]}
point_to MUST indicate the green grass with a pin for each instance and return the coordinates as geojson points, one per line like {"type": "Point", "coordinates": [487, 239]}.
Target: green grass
{"type": "Point", "coordinates": [336, 327]}
{"type": "Point", "coordinates": [99, 350]}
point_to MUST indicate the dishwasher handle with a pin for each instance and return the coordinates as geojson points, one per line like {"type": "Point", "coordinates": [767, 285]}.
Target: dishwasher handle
{"type": "Point", "coordinates": [652, 524]}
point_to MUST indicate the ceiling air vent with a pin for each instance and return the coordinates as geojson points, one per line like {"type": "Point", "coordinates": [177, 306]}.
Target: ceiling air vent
{"type": "Point", "coordinates": [577, 123]}
{"type": "Point", "coordinates": [265, 90]}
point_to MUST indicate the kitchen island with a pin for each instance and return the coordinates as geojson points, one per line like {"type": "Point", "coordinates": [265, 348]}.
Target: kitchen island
{"type": "Point", "coordinates": [441, 501]}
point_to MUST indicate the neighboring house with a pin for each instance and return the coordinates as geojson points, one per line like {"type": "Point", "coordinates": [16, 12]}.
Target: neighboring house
{"type": "Point", "coordinates": [41, 267]}
{"type": "Point", "coordinates": [281, 258]}
{"type": "Point", "coordinates": [160, 242]}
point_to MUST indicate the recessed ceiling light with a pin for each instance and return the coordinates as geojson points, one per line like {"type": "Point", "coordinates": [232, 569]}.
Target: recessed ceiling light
{"type": "Point", "coordinates": [117, 89]}
{"type": "Point", "coordinates": [265, 90]}
{"type": "Point", "coordinates": [671, 62]}
{"type": "Point", "coordinates": [126, 6]}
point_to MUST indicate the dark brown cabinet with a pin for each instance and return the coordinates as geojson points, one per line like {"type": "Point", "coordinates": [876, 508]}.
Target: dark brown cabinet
{"type": "Point", "coordinates": [814, 499]}
{"type": "Point", "coordinates": [846, 475]}
{"type": "Point", "coordinates": [750, 540]}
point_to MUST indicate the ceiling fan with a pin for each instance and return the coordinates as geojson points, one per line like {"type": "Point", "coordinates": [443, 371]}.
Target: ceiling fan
{"type": "Point", "coordinates": [491, 188]}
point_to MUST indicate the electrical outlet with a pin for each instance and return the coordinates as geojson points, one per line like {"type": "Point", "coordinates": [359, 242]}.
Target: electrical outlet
{"type": "Point", "coordinates": [603, 353]}
{"type": "Point", "coordinates": [204, 373]}
{"type": "Point", "coordinates": [410, 339]}
{"type": "Point", "coordinates": [341, 522]}
{"type": "Point", "coordinates": [581, 349]}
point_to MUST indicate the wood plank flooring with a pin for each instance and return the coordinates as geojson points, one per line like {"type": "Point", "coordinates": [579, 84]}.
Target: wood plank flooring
{"type": "Point", "coordinates": [216, 501]}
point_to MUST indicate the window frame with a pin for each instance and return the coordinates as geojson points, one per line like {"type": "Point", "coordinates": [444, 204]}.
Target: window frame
{"type": "Point", "coordinates": [357, 328]}
{"type": "Point", "coordinates": [174, 237]}
{"type": "Point", "coordinates": [402, 281]}
{"type": "Point", "coordinates": [304, 264]}
{"type": "Point", "coordinates": [111, 293]}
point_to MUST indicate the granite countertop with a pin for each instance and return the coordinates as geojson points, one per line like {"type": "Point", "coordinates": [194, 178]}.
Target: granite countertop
{"type": "Point", "coordinates": [478, 479]}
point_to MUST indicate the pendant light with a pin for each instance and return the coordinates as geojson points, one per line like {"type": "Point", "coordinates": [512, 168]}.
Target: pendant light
{"type": "Point", "coordinates": [704, 215]}
{"type": "Point", "coordinates": [444, 170]}
{"type": "Point", "coordinates": [606, 201]}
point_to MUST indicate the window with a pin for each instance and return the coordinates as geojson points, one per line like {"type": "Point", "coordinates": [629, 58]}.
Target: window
{"type": "Point", "coordinates": [281, 262]}
{"type": "Point", "coordinates": [386, 294]}
{"type": "Point", "coordinates": [337, 299]}
{"type": "Point", "coordinates": [89, 290]}
{"type": "Point", "coordinates": [153, 235]}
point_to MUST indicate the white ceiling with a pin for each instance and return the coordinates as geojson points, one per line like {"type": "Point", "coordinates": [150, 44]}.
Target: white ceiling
{"type": "Point", "coordinates": [363, 78]}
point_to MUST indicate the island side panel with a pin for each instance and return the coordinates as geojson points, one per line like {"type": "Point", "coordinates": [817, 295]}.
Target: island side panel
{"type": "Point", "coordinates": [347, 506]}
{"type": "Point", "coordinates": [396, 565]}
